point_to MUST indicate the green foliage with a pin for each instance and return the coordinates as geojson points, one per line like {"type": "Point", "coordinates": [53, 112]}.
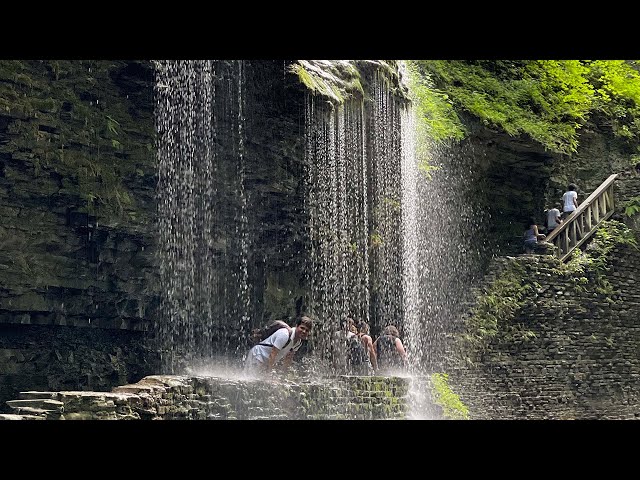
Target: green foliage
{"type": "Point", "coordinates": [496, 308]}
{"type": "Point", "coordinates": [337, 80]}
{"type": "Point", "coordinates": [317, 84]}
{"type": "Point", "coordinates": [594, 259]}
{"type": "Point", "coordinates": [632, 207]}
{"type": "Point", "coordinates": [341, 80]}
{"type": "Point", "coordinates": [22, 79]}
{"type": "Point", "coordinates": [617, 84]}
{"type": "Point", "coordinates": [112, 125]}
{"type": "Point", "coordinates": [391, 203]}
{"type": "Point", "coordinates": [611, 234]}
{"type": "Point", "coordinates": [452, 406]}
{"type": "Point", "coordinates": [435, 116]}
{"type": "Point", "coordinates": [549, 100]}
{"type": "Point", "coordinates": [376, 240]}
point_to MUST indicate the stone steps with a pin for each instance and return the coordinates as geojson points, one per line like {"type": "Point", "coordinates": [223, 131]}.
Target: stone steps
{"type": "Point", "coordinates": [13, 416]}
{"type": "Point", "coordinates": [33, 395]}
{"type": "Point", "coordinates": [37, 406]}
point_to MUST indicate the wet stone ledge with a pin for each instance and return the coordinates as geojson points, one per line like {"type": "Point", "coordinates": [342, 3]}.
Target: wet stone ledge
{"type": "Point", "coordinates": [212, 398]}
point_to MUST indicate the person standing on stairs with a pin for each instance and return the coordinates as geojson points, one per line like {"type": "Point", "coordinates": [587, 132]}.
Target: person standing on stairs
{"type": "Point", "coordinates": [554, 219]}
{"type": "Point", "coordinates": [569, 201]}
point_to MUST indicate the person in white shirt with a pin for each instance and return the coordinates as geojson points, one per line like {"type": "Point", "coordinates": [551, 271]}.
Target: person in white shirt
{"type": "Point", "coordinates": [569, 201]}
{"type": "Point", "coordinates": [280, 346]}
{"type": "Point", "coordinates": [553, 219]}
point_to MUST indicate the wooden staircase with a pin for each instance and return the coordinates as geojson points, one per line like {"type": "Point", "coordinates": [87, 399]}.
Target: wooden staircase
{"type": "Point", "coordinates": [584, 221]}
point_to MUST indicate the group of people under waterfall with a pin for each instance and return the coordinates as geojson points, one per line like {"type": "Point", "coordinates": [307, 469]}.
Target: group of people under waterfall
{"type": "Point", "coordinates": [352, 350]}
{"type": "Point", "coordinates": [553, 219]}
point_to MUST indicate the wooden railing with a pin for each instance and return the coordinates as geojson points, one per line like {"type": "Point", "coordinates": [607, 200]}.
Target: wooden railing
{"type": "Point", "coordinates": [584, 221]}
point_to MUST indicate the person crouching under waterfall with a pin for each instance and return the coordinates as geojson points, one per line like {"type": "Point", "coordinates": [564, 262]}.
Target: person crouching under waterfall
{"type": "Point", "coordinates": [279, 346]}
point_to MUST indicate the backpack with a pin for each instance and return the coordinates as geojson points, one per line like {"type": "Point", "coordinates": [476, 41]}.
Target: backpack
{"type": "Point", "coordinates": [259, 335]}
{"type": "Point", "coordinates": [356, 353]}
{"type": "Point", "coordinates": [386, 351]}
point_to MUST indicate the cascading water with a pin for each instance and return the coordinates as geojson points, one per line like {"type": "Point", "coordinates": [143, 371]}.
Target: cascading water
{"type": "Point", "coordinates": [203, 267]}
{"type": "Point", "coordinates": [444, 243]}
{"type": "Point", "coordinates": [418, 234]}
{"type": "Point", "coordinates": [443, 246]}
{"type": "Point", "coordinates": [354, 155]}
{"type": "Point", "coordinates": [386, 245]}
{"type": "Point", "coordinates": [411, 237]}
{"type": "Point", "coordinates": [236, 311]}
{"type": "Point", "coordinates": [385, 151]}
{"type": "Point", "coordinates": [415, 323]}
{"type": "Point", "coordinates": [338, 217]}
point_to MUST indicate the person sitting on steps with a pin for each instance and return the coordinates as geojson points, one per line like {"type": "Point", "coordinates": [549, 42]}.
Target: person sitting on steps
{"type": "Point", "coordinates": [531, 236]}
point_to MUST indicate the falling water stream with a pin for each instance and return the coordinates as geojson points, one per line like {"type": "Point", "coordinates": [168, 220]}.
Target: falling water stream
{"type": "Point", "coordinates": [338, 216]}
{"type": "Point", "coordinates": [387, 244]}
{"type": "Point", "coordinates": [203, 256]}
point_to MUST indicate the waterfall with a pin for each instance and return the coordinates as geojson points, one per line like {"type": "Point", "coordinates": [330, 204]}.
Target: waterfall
{"type": "Point", "coordinates": [414, 235]}
{"type": "Point", "coordinates": [337, 206]}
{"type": "Point", "coordinates": [385, 152]}
{"type": "Point", "coordinates": [443, 244]}
{"type": "Point", "coordinates": [385, 243]}
{"type": "Point", "coordinates": [354, 153]}
{"type": "Point", "coordinates": [202, 219]}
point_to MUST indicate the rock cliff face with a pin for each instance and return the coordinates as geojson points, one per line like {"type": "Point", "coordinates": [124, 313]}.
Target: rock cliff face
{"type": "Point", "coordinates": [79, 281]}
{"type": "Point", "coordinates": [78, 177]}
{"type": "Point", "coordinates": [568, 349]}
{"type": "Point", "coordinates": [514, 178]}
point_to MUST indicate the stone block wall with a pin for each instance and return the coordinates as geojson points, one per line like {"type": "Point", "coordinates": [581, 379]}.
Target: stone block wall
{"type": "Point", "coordinates": [626, 190]}
{"type": "Point", "coordinates": [579, 359]}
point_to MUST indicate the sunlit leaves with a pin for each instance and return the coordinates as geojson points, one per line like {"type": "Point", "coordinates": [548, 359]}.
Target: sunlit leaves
{"type": "Point", "coordinates": [548, 100]}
